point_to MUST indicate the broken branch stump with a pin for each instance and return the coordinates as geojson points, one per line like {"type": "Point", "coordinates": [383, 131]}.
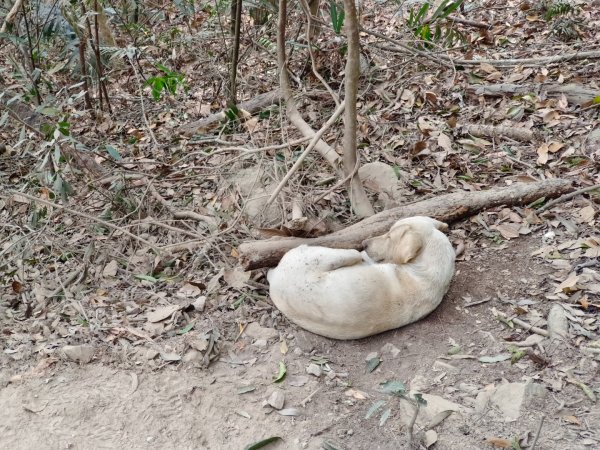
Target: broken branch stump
{"type": "Point", "coordinates": [448, 208]}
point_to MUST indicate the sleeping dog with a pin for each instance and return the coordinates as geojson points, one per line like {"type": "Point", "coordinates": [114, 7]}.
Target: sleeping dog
{"type": "Point", "coordinates": [399, 278]}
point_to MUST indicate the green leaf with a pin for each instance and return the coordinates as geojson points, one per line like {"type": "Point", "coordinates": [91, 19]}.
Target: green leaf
{"type": "Point", "coordinates": [186, 328]}
{"type": "Point", "coordinates": [494, 359]}
{"type": "Point", "coordinates": [419, 399]}
{"type": "Point", "coordinates": [373, 363]}
{"type": "Point", "coordinates": [282, 372]}
{"type": "Point", "coordinates": [385, 416]}
{"type": "Point", "coordinates": [149, 278]}
{"type": "Point", "coordinates": [374, 408]}
{"type": "Point", "coordinates": [113, 152]}
{"type": "Point", "coordinates": [393, 387]}
{"type": "Point", "coordinates": [245, 389]}
{"type": "Point", "coordinates": [596, 100]}
{"type": "Point", "coordinates": [262, 443]}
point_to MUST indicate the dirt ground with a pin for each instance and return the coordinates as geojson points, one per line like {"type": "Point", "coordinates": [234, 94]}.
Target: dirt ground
{"type": "Point", "coordinates": [119, 401]}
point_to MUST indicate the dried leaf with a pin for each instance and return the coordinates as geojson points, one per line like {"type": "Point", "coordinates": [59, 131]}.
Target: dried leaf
{"type": "Point", "coordinates": [282, 372]}
{"type": "Point", "coordinates": [374, 408]}
{"type": "Point", "coordinates": [495, 359]}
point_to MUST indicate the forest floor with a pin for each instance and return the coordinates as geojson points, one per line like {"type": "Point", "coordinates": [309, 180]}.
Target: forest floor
{"type": "Point", "coordinates": [107, 345]}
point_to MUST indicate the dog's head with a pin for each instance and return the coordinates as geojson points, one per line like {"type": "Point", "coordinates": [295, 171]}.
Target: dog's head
{"type": "Point", "coordinates": [404, 241]}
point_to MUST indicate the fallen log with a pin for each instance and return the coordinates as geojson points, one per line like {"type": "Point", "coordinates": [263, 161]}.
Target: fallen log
{"type": "Point", "coordinates": [448, 208]}
{"type": "Point", "coordinates": [251, 106]}
{"type": "Point", "coordinates": [575, 93]}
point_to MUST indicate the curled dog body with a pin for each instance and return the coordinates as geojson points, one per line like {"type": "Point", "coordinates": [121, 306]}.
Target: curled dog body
{"type": "Point", "coordinates": [399, 278]}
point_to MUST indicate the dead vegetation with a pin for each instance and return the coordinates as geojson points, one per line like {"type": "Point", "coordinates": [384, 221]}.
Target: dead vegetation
{"type": "Point", "coordinates": [130, 210]}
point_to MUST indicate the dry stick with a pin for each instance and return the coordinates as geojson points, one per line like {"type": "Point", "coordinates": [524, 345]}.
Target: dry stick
{"type": "Point", "coordinates": [177, 214]}
{"type": "Point", "coordinates": [247, 151]}
{"type": "Point", "coordinates": [87, 216]}
{"type": "Point", "coordinates": [526, 326]}
{"type": "Point", "coordinates": [566, 197]}
{"type": "Point", "coordinates": [470, 23]}
{"type": "Point", "coordinates": [337, 113]}
{"type": "Point", "coordinates": [447, 61]}
{"type": "Point", "coordinates": [537, 433]}
{"type": "Point", "coordinates": [340, 183]}
{"type": "Point", "coordinates": [10, 17]}
{"type": "Point", "coordinates": [137, 77]}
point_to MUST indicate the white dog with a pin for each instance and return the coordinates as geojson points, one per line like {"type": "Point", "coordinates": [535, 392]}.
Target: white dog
{"type": "Point", "coordinates": [345, 294]}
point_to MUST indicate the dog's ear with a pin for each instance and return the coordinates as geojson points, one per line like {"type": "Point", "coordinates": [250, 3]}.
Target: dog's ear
{"type": "Point", "coordinates": [407, 243]}
{"type": "Point", "coordinates": [442, 226]}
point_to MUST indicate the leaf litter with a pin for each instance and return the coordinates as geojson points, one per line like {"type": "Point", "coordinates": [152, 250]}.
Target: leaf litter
{"type": "Point", "coordinates": [160, 311]}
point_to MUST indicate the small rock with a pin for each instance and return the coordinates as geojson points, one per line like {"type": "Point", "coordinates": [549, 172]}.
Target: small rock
{"type": "Point", "coordinates": [390, 349]}
{"type": "Point", "coordinates": [193, 356]}
{"type": "Point", "coordinates": [440, 366]}
{"type": "Point", "coordinates": [314, 369]}
{"type": "Point", "coordinates": [331, 375]}
{"type": "Point", "coordinates": [150, 439]}
{"type": "Point", "coordinates": [350, 432]}
{"type": "Point", "coordinates": [79, 353]}
{"type": "Point", "coordinates": [298, 351]}
{"type": "Point", "coordinates": [260, 343]}
{"type": "Point", "coordinates": [276, 399]}
{"type": "Point", "coordinates": [509, 398]}
{"type": "Point", "coordinates": [297, 380]}
{"type": "Point", "coordinates": [558, 324]}
{"type": "Point", "coordinates": [199, 303]}
{"type": "Point", "coordinates": [255, 331]}
{"type": "Point", "coordinates": [371, 356]}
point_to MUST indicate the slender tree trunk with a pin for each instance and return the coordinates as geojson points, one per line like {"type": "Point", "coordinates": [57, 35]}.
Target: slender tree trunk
{"type": "Point", "coordinates": [358, 198]}
{"type": "Point", "coordinates": [235, 51]}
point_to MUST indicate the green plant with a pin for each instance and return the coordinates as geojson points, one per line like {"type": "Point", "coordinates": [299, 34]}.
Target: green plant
{"type": "Point", "coordinates": [555, 8]}
{"type": "Point", "coordinates": [429, 29]}
{"type": "Point", "coordinates": [337, 15]}
{"type": "Point", "coordinates": [167, 82]}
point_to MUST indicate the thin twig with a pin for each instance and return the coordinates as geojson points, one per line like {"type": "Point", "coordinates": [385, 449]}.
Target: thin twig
{"type": "Point", "coordinates": [339, 183]}
{"type": "Point", "coordinates": [411, 425]}
{"type": "Point", "coordinates": [87, 216]}
{"type": "Point", "coordinates": [537, 433]}
{"type": "Point", "coordinates": [566, 197]}
{"type": "Point", "coordinates": [526, 326]}
{"type": "Point", "coordinates": [308, 399]}
{"type": "Point", "coordinates": [337, 113]}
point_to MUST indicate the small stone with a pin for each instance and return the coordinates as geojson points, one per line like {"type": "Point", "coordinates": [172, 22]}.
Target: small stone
{"type": "Point", "coordinates": [150, 439]}
{"type": "Point", "coordinates": [440, 366]}
{"type": "Point", "coordinates": [193, 356]}
{"type": "Point", "coordinates": [260, 343]}
{"type": "Point", "coordinates": [314, 369]}
{"type": "Point", "coordinates": [371, 356]}
{"type": "Point", "coordinates": [390, 349]}
{"type": "Point", "coordinates": [331, 375]}
{"type": "Point", "coordinates": [350, 432]}
{"type": "Point", "coordinates": [199, 303]}
{"type": "Point", "coordinates": [79, 353]}
{"type": "Point", "coordinates": [276, 399]}
{"type": "Point", "coordinates": [298, 351]}
{"type": "Point", "coordinates": [255, 331]}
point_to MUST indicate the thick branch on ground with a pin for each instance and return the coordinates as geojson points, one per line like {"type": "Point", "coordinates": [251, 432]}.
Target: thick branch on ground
{"type": "Point", "coordinates": [517, 134]}
{"type": "Point", "coordinates": [448, 208]}
{"type": "Point", "coordinates": [291, 109]}
{"type": "Point", "coordinates": [575, 93]}
{"type": "Point", "coordinates": [358, 197]}
{"type": "Point", "coordinates": [251, 106]}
